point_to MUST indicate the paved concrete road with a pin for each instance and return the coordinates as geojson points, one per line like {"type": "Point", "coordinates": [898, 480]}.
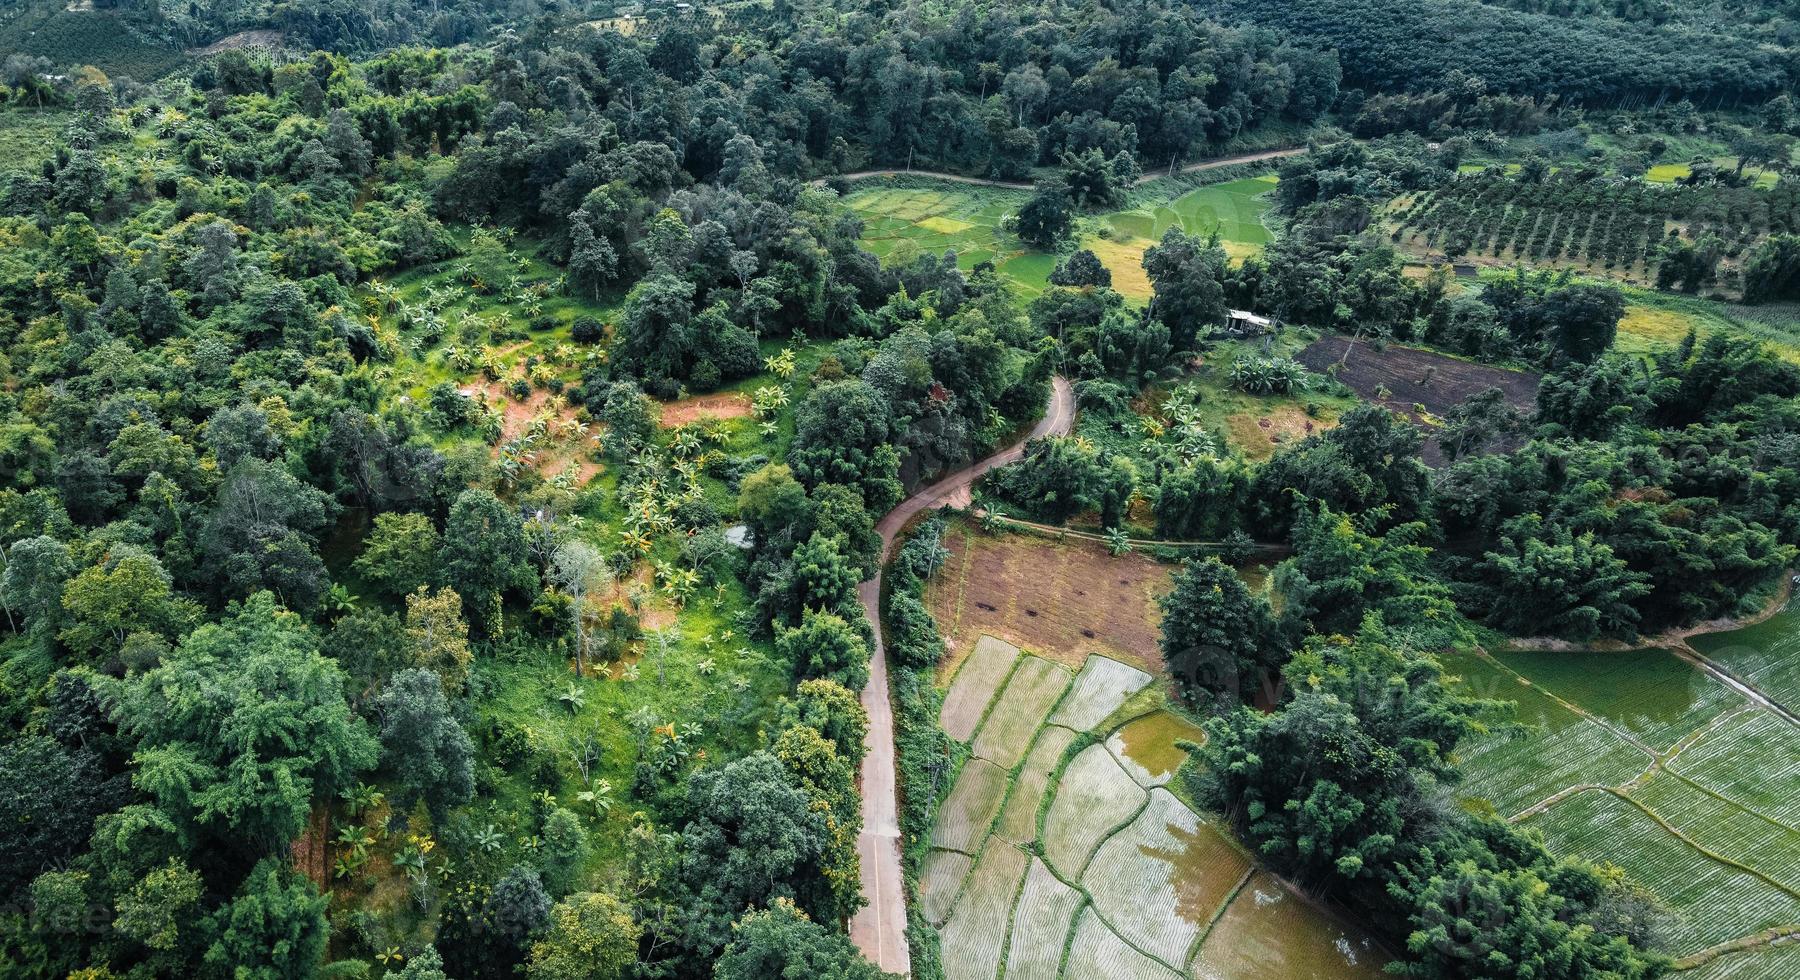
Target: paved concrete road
{"type": "Point", "coordinates": [879, 930]}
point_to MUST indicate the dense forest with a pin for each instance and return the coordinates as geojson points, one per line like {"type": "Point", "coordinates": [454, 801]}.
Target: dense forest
{"type": "Point", "coordinates": [372, 608]}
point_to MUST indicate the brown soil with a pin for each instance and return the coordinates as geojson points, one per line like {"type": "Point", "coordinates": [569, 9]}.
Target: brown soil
{"type": "Point", "coordinates": [1415, 377]}
{"type": "Point", "coordinates": [725, 405]}
{"type": "Point", "coordinates": [1059, 599]}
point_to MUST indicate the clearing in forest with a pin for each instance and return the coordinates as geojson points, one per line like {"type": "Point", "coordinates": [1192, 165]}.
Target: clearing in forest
{"type": "Point", "coordinates": [1059, 599]}
{"type": "Point", "coordinates": [1419, 384]}
{"type": "Point", "coordinates": [929, 218]}
{"type": "Point", "coordinates": [1129, 880]}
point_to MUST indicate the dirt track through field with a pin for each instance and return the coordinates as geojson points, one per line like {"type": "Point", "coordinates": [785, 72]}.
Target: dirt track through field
{"type": "Point", "coordinates": [879, 929]}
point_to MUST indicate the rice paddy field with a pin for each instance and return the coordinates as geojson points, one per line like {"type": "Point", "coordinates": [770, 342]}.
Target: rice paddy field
{"type": "Point", "coordinates": [930, 217]}
{"type": "Point", "coordinates": [1088, 865]}
{"type": "Point", "coordinates": [1669, 763]}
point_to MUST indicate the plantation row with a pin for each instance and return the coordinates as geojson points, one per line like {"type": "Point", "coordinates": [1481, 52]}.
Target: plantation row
{"type": "Point", "coordinates": [1613, 225]}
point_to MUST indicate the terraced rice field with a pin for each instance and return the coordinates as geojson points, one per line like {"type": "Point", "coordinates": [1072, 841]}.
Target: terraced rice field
{"type": "Point", "coordinates": [1268, 934]}
{"type": "Point", "coordinates": [1654, 763]}
{"type": "Point", "coordinates": [968, 220]}
{"type": "Point", "coordinates": [1129, 882]}
{"type": "Point", "coordinates": [976, 682]}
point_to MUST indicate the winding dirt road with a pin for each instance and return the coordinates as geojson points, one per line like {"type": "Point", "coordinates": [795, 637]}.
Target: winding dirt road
{"type": "Point", "coordinates": [1017, 185]}
{"type": "Point", "coordinates": [879, 930]}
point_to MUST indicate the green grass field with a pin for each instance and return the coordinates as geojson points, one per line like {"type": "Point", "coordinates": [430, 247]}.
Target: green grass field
{"type": "Point", "coordinates": [1655, 320]}
{"type": "Point", "coordinates": [931, 217]}
{"type": "Point", "coordinates": [1645, 760]}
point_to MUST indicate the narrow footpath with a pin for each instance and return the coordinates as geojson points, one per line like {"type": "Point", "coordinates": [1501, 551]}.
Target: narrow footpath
{"type": "Point", "coordinates": [879, 929]}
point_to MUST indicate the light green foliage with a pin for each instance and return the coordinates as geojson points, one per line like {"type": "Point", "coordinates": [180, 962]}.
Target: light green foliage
{"type": "Point", "coordinates": [243, 726]}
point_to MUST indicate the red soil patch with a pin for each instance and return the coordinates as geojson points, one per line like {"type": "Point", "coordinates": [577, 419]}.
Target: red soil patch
{"type": "Point", "coordinates": [558, 450]}
{"type": "Point", "coordinates": [1062, 599]}
{"type": "Point", "coordinates": [723, 405]}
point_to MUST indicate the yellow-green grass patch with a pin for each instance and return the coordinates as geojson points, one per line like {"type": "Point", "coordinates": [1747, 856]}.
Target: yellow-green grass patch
{"type": "Point", "coordinates": [1030, 693]}
{"type": "Point", "coordinates": [945, 226]}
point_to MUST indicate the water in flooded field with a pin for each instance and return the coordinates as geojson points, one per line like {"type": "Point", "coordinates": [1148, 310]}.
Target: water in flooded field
{"type": "Point", "coordinates": [1269, 934]}
{"type": "Point", "coordinates": [1148, 745]}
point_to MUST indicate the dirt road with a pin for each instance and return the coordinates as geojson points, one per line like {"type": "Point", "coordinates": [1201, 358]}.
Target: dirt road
{"type": "Point", "coordinates": [1015, 185]}
{"type": "Point", "coordinates": [879, 930]}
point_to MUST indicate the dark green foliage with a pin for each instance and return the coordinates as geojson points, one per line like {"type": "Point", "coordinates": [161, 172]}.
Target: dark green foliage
{"type": "Point", "coordinates": [1045, 219]}
{"type": "Point", "coordinates": [274, 929]}
{"type": "Point", "coordinates": [1187, 274]}
{"type": "Point", "coordinates": [1369, 462]}
{"type": "Point", "coordinates": [780, 942]}
{"type": "Point", "coordinates": [1060, 477]}
{"type": "Point", "coordinates": [752, 838]}
{"type": "Point", "coordinates": [423, 746]}
{"type": "Point", "coordinates": [1219, 640]}
{"type": "Point", "coordinates": [49, 797]}
{"type": "Point", "coordinates": [1395, 44]}
{"type": "Point", "coordinates": [485, 557]}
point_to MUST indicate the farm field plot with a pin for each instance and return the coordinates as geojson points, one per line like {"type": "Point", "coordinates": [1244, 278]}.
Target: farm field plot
{"type": "Point", "coordinates": [1093, 798]}
{"type": "Point", "coordinates": [1160, 880]}
{"type": "Point", "coordinates": [1148, 747]}
{"type": "Point", "coordinates": [1725, 827]}
{"type": "Point", "coordinates": [970, 808]}
{"type": "Point", "coordinates": [1554, 747]}
{"type": "Point", "coordinates": [1128, 879]}
{"type": "Point", "coordinates": [967, 220]}
{"type": "Point", "coordinates": [1700, 809]}
{"type": "Point", "coordinates": [1040, 924]}
{"type": "Point", "coordinates": [1018, 822]}
{"type": "Point", "coordinates": [975, 937]}
{"type": "Point", "coordinates": [975, 685]}
{"type": "Point", "coordinates": [1715, 901]}
{"type": "Point", "coordinates": [1411, 377]}
{"type": "Point", "coordinates": [1269, 934]}
{"type": "Point", "coordinates": [1761, 963]}
{"type": "Point", "coordinates": [1100, 690]}
{"type": "Point", "coordinates": [1062, 600]}
{"type": "Point", "coordinates": [1030, 693]}
{"type": "Point", "coordinates": [1099, 952]}
{"type": "Point", "coordinates": [1766, 655]}
{"type": "Point", "coordinates": [940, 881]}
{"type": "Point", "coordinates": [1651, 694]}
{"type": "Point", "coordinates": [1717, 761]}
